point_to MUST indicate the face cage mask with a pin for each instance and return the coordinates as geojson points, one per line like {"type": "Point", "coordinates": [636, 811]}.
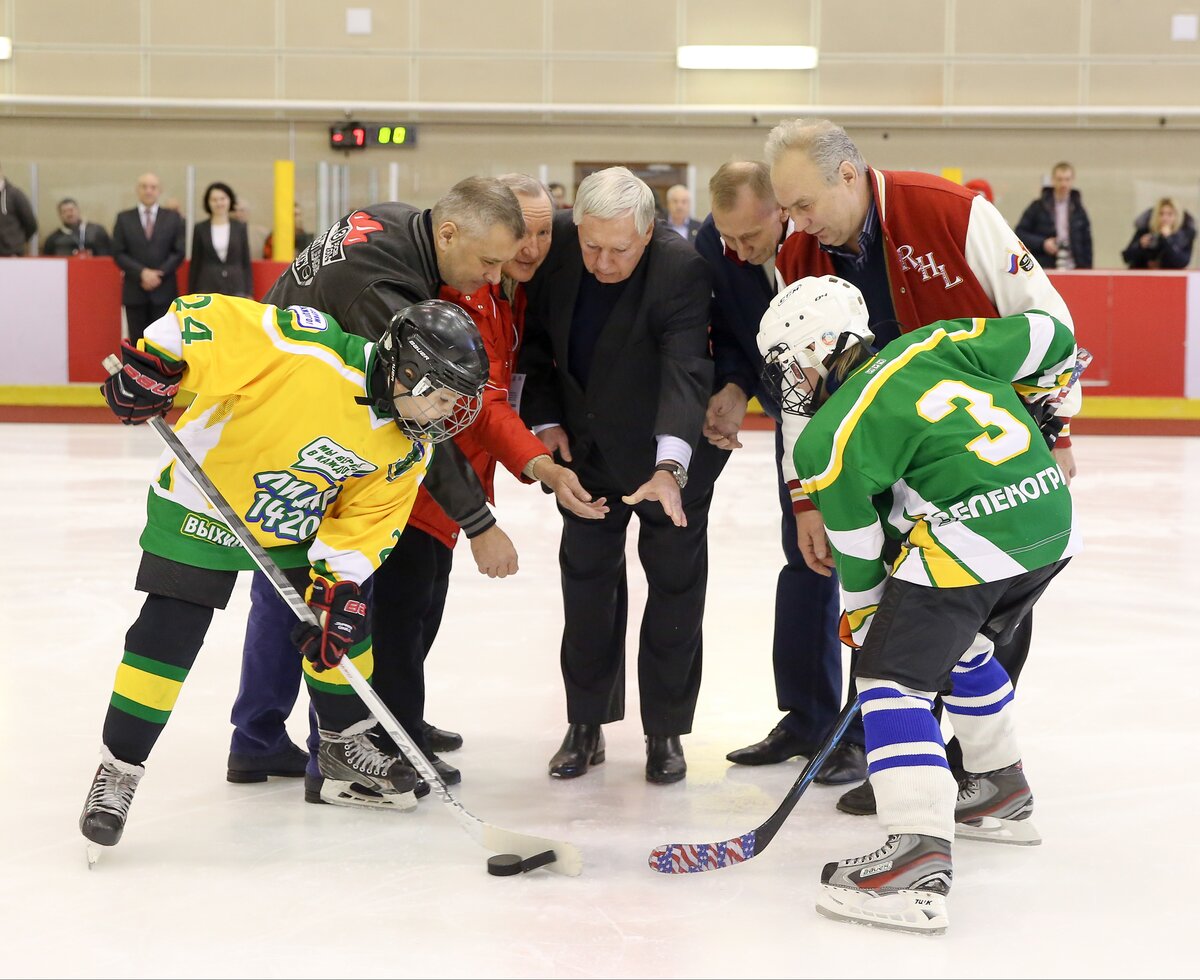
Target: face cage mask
{"type": "Point", "coordinates": [432, 429]}
{"type": "Point", "coordinates": [785, 380]}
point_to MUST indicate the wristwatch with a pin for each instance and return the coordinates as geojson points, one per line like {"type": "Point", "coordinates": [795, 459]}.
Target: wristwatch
{"type": "Point", "coordinates": [677, 471]}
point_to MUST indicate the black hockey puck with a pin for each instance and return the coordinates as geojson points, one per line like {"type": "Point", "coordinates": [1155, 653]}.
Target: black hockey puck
{"type": "Point", "coordinates": [503, 865]}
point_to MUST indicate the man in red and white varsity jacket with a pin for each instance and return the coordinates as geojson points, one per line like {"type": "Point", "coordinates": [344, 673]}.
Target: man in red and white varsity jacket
{"type": "Point", "coordinates": [921, 249]}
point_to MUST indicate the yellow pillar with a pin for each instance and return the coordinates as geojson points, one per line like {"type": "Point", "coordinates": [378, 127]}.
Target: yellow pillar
{"type": "Point", "coordinates": [283, 234]}
{"type": "Point", "coordinates": [953, 173]}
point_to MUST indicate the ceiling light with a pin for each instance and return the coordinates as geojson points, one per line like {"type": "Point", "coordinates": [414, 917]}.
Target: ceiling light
{"type": "Point", "coordinates": [5, 48]}
{"type": "Point", "coordinates": [751, 57]}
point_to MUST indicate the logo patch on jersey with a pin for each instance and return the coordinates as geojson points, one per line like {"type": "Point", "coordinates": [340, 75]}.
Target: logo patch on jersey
{"type": "Point", "coordinates": [336, 464]}
{"type": "Point", "coordinates": [402, 466]}
{"type": "Point", "coordinates": [309, 319]}
{"type": "Point", "coordinates": [214, 532]}
{"type": "Point", "coordinates": [329, 248]}
{"type": "Point", "coordinates": [926, 264]}
{"type": "Point", "coordinates": [1019, 262]}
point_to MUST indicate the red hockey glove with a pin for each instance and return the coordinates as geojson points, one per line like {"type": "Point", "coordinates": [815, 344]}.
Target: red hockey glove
{"type": "Point", "coordinates": [144, 388]}
{"type": "Point", "coordinates": [344, 623]}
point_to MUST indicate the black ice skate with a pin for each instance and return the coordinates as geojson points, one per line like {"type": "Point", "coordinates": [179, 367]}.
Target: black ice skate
{"type": "Point", "coordinates": [107, 806]}
{"type": "Point", "coordinates": [901, 886]}
{"type": "Point", "coordinates": [996, 806]}
{"type": "Point", "coordinates": [354, 772]}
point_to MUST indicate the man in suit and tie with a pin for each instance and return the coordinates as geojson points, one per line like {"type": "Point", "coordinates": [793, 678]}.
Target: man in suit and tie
{"type": "Point", "coordinates": [740, 240]}
{"type": "Point", "coordinates": [148, 246]}
{"type": "Point", "coordinates": [617, 378]}
{"type": "Point", "coordinates": [679, 213]}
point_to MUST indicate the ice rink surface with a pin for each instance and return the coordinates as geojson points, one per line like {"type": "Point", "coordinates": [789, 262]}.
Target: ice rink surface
{"type": "Point", "coordinates": [220, 880]}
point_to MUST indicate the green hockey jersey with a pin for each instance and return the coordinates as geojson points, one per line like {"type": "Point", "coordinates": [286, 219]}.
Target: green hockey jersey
{"type": "Point", "coordinates": [317, 478]}
{"type": "Point", "coordinates": [930, 442]}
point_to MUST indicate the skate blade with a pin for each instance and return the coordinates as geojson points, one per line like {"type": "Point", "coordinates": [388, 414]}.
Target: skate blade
{"type": "Point", "coordinates": [999, 831]}
{"type": "Point", "coordinates": [341, 793]}
{"type": "Point", "coordinates": [920, 913]}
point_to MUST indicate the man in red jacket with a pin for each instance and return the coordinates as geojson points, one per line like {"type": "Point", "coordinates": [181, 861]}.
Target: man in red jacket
{"type": "Point", "coordinates": [418, 567]}
{"type": "Point", "coordinates": [920, 249]}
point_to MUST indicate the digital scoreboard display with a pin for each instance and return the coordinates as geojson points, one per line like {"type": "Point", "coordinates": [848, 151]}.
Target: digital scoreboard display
{"type": "Point", "coordinates": [361, 136]}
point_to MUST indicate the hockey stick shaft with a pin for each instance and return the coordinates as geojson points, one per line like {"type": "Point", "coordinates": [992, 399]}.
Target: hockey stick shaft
{"type": "Point", "coordinates": [690, 858]}
{"type": "Point", "coordinates": [483, 833]}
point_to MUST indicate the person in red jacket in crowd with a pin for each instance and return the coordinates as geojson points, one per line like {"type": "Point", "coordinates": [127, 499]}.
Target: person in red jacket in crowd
{"type": "Point", "coordinates": [419, 565]}
{"type": "Point", "coordinates": [920, 248]}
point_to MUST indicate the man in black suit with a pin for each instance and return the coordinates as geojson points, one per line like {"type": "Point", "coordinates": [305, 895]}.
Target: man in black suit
{"type": "Point", "coordinates": [740, 240]}
{"type": "Point", "coordinates": [679, 213]}
{"type": "Point", "coordinates": [617, 379]}
{"type": "Point", "coordinates": [148, 246]}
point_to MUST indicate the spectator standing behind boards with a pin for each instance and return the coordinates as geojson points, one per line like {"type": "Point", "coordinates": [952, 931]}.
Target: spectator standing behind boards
{"type": "Point", "coordinates": [1055, 227]}
{"type": "Point", "coordinates": [679, 213]}
{"type": "Point", "coordinates": [76, 236]}
{"type": "Point", "coordinates": [303, 238]}
{"type": "Point", "coordinates": [17, 222]}
{"type": "Point", "coordinates": [617, 377]}
{"type": "Point", "coordinates": [220, 248]}
{"type": "Point", "coordinates": [256, 234]}
{"type": "Point", "coordinates": [1162, 239]}
{"type": "Point", "coordinates": [148, 246]}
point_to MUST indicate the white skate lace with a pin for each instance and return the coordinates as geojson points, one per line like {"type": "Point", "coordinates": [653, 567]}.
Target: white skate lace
{"type": "Point", "coordinates": [880, 852]}
{"type": "Point", "coordinates": [112, 791]}
{"type": "Point", "coordinates": [363, 756]}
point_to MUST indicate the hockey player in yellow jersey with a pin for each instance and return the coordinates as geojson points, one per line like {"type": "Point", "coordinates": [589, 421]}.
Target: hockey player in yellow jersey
{"type": "Point", "coordinates": [318, 439]}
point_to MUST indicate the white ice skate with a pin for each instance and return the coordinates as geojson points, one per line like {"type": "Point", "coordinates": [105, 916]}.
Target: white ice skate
{"type": "Point", "coordinates": [901, 886]}
{"type": "Point", "coordinates": [354, 772]}
{"type": "Point", "coordinates": [996, 806]}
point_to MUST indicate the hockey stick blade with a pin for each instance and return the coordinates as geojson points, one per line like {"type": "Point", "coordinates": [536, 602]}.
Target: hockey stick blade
{"type": "Point", "coordinates": [568, 859]}
{"type": "Point", "coordinates": [677, 859]}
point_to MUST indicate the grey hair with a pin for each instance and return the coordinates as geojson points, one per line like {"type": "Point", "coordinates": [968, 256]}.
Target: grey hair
{"type": "Point", "coordinates": [614, 192]}
{"type": "Point", "coordinates": [478, 204]}
{"type": "Point", "coordinates": [823, 142]}
{"type": "Point", "coordinates": [526, 186]}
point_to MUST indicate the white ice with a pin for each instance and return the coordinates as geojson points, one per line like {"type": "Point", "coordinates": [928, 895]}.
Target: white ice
{"type": "Point", "coordinates": [221, 880]}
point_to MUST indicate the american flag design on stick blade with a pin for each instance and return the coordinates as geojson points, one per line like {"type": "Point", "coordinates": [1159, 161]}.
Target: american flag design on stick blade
{"type": "Point", "coordinates": [676, 859]}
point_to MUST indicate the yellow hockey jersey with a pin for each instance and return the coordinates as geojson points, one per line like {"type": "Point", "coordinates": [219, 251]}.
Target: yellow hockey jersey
{"type": "Point", "coordinates": [317, 477]}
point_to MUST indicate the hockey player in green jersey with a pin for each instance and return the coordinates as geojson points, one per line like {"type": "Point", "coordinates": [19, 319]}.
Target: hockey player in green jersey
{"type": "Point", "coordinates": [932, 441]}
{"type": "Point", "coordinates": [293, 422]}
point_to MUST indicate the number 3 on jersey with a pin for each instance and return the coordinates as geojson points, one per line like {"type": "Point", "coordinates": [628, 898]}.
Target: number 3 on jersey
{"type": "Point", "coordinates": [938, 402]}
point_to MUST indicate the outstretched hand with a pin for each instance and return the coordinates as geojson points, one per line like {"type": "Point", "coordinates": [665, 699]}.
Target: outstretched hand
{"type": "Point", "coordinates": [569, 492]}
{"type": "Point", "coordinates": [663, 488]}
{"type": "Point", "coordinates": [724, 416]}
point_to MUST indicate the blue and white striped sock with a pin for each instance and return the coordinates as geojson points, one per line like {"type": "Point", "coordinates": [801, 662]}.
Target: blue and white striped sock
{"type": "Point", "coordinates": [980, 709]}
{"type": "Point", "coordinates": [906, 760]}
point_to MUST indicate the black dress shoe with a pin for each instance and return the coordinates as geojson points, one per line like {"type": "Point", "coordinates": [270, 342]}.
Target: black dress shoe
{"type": "Point", "coordinates": [450, 775]}
{"type": "Point", "coordinates": [583, 746]}
{"type": "Point", "coordinates": [846, 764]}
{"type": "Point", "coordinates": [664, 759]}
{"type": "Point", "coordinates": [779, 746]}
{"type": "Point", "coordinates": [439, 740]}
{"type": "Point", "coordinates": [859, 801]}
{"type": "Point", "coordinates": [242, 768]}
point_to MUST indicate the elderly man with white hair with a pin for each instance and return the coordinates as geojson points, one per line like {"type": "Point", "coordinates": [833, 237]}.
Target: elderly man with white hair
{"type": "Point", "coordinates": [618, 375]}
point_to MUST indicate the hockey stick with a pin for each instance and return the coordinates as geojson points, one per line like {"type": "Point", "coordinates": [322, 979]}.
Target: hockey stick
{"type": "Point", "coordinates": [675, 859]}
{"type": "Point", "coordinates": [567, 858]}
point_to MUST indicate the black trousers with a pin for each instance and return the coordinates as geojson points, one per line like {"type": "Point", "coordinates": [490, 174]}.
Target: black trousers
{"type": "Point", "coordinates": [1011, 652]}
{"type": "Point", "coordinates": [596, 607]}
{"type": "Point", "coordinates": [138, 317]}
{"type": "Point", "coordinates": [409, 596]}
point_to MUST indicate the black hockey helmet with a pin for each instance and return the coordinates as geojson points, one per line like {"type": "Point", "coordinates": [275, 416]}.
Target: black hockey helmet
{"type": "Point", "coordinates": [427, 346]}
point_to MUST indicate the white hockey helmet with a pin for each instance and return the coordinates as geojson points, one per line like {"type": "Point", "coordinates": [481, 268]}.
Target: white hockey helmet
{"type": "Point", "coordinates": [808, 325]}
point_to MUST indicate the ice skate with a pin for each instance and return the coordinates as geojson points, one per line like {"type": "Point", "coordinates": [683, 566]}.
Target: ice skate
{"type": "Point", "coordinates": [107, 805]}
{"type": "Point", "coordinates": [996, 806]}
{"type": "Point", "coordinates": [901, 886]}
{"type": "Point", "coordinates": [356, 773]}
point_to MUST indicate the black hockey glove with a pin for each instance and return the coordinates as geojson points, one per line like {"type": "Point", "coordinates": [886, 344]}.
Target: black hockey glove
{"type": "Point", "coordinates": [344, 623]}
{"type": "Point", "coordinates": [1049, 424]}
{"type": "Point", "coordinates": [144, 388]}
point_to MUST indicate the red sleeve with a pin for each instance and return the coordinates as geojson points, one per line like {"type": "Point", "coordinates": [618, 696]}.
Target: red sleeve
{"type": "Point", "coordinates": [500, 433]}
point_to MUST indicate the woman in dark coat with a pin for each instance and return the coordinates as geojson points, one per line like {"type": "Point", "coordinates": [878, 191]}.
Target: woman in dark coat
{"type": "Point", "coordinates": [220, 248]}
